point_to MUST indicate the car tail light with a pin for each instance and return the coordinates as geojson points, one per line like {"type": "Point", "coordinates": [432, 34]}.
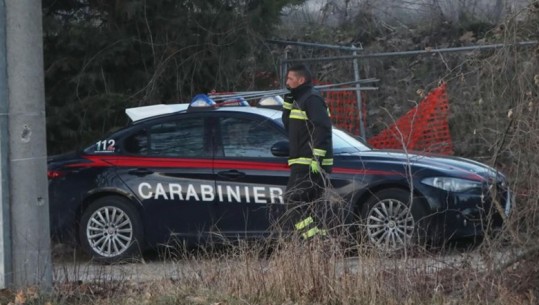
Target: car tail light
{"type": "Point", "coordinates": [53, 174]}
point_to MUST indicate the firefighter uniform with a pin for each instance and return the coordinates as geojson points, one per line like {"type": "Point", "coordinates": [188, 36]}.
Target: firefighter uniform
{"type": "Point", "coordinates": [306, 118]}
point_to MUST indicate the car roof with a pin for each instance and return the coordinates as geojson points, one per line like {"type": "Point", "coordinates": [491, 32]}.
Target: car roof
{"type": "Point", "coordinates": [148, 113]}
{"type": "Point", "coordinates": [144, 112]}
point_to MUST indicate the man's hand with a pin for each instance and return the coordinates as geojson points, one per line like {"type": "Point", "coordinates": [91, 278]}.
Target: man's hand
{"type": "Point", "coordinates": [315, 167]}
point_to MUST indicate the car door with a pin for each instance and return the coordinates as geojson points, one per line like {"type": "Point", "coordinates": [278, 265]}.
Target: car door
{"type": "Point", "coordinates": [250, 180]}
{"type": "Point", "coordinates": [168, 165]}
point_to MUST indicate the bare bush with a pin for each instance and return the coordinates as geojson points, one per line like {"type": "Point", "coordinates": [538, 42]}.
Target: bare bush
{"type": "Point", "coordinates": [410, 12]}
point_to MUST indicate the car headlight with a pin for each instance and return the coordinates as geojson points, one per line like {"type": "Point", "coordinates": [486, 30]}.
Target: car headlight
{"type": "Point", "coordinates": [452, 184]}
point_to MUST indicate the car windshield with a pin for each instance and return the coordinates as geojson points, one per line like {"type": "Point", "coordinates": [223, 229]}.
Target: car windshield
{"type": "Point", "coordinates": [343, 143]}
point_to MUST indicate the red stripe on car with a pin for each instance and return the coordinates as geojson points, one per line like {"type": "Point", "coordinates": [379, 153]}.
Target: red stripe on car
{"type": "Point", "coordinates": [121, 161]}
{"type": "Point", "coordinates": [104, 161]}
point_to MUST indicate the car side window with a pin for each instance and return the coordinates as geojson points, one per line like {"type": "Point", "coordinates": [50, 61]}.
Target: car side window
{"type": "Point", "coordinates": [243, 137]}
{"type": "Point", "coordinates": [137, 143]}
{"type": "Point", "coordinates": [179, 138]}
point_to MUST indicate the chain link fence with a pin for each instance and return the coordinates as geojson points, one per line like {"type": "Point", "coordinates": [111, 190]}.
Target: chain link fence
{"type": "Point", "coordinates": [480, 86]}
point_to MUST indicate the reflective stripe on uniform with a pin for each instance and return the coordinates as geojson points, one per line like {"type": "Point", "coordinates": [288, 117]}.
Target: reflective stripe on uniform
{"type": "Point", "coordinates": [304, 161]}
{"type": "Point", "coordinates": [319, 152]}
{"type": "Point", "coordinates": [298, 114]}
{"type": "Point", "coordinates": [327, 162]}
{"type": "Point", "coordinates": [305, 222]}
{"type": "Point", "coordinates": [312, 232]}
{"type": "Point", "coordinates": [287, 106]}
{"type": "Point", "coordinates": [307, 161]}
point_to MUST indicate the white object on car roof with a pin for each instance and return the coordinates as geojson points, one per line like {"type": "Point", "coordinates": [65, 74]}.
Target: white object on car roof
{"type": "Point", "coordinates": [143, 112]}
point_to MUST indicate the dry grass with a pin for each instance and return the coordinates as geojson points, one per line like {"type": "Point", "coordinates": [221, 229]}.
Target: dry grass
{"type": "Point", "coordinates": [317, 272]}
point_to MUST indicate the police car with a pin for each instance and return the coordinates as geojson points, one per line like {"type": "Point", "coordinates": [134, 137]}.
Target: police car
{"type": "Point", "coordinates": [205, 172]}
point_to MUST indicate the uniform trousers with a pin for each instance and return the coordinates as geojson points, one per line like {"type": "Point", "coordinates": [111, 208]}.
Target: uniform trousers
{"type": "Point", "coordinates": [305, 201]}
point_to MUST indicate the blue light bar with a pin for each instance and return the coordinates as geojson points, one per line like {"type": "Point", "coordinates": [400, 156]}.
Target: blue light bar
{"type": "Point", "coordinates": [201, 101]}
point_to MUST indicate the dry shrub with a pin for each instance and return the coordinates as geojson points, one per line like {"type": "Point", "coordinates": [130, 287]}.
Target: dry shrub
{"type": "Point", "coordinates": [315, 272]}
{"type": "Point", "coordinates": [321, 272]}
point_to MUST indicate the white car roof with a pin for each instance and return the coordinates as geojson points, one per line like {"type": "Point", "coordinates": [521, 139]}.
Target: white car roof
{"type": "Point", "coordinates": [143, 112]}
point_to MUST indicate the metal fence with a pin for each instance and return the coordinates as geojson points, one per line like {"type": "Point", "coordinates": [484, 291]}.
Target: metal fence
{"type": "Point", "coordinates": [412, 75]}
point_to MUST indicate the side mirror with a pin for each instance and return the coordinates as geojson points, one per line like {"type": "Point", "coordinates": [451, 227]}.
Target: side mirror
{"type": "Point", "coordinates": [280, 149]}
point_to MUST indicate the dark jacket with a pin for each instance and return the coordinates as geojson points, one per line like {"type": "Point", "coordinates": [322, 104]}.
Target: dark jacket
{"type": "Point", "coordinates": [306, 118]}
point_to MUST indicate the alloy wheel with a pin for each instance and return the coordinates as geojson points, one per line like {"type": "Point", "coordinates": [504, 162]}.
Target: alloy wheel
{"type": "Point", "coordinates": [109, 231]}
{"type": "Point", "coordinates": [390, 225]}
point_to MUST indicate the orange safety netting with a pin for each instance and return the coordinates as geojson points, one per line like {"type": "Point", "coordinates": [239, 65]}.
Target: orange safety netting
{"type": "Point", "coordinates": [344, 110]}
{"type": "Point", "coordinates": [423, 128]}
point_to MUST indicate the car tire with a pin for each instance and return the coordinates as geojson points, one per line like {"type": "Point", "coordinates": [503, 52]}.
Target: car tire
{"type": "Point", "coordinates": [111, 230]}
{"type": "Point", "coordinates": [391, 223]}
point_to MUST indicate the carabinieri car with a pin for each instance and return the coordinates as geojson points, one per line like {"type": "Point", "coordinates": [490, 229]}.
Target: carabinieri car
{"type": "Point", "coordinates": [194, 173]}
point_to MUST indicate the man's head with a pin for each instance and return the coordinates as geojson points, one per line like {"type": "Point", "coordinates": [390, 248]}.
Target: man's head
{"type": "Point", "coordinates": [298, 75]}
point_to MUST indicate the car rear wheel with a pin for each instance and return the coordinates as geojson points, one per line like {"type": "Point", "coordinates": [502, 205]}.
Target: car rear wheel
{"type": "Point", "coordinates": [391, 223]}
{"type": "Point", "coordinates": [111, 230]}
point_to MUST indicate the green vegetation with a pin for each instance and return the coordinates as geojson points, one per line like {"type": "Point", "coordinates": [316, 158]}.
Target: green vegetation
{"type": "Point", "coordinates": [104, 56]}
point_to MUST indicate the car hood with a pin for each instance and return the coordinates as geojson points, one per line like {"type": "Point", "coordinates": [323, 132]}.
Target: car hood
{"type": "Point", "coordinates": [453, 166]}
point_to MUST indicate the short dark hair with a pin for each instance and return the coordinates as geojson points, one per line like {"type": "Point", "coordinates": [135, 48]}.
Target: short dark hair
{"type": "Point", "coordinates": [303, 71]}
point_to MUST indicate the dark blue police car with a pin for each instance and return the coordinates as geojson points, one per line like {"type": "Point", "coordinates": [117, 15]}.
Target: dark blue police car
{"type": "Point", "coordinates": [194, 173]}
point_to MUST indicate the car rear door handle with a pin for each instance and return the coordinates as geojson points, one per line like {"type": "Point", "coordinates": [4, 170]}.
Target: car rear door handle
{"type": "Point", "coordinates": [141, 172]}
{"type": "Point", "coordinates": [231, 174]}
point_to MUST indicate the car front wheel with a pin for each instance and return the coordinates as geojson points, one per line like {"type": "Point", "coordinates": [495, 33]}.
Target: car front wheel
{"type": "Point", "coordinates": [392, 221]}
{"type": "Point", "coordinates": [111, 230]}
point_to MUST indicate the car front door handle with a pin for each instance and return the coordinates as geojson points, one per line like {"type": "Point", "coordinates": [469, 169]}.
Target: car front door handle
{"type": "Point", "coordinates": [141, 172]}
{"type": "Point", "coordinates": [231, 174]}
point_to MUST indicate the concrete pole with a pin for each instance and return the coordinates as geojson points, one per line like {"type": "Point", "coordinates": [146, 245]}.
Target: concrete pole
{"type": "Point", "coordinates": [5, 227]}
{"type": "Point", "coordinates": [357, 78]}
{"type": "Point", "coordinates": [284, 68]}
{"type": "Point", "coordinates": [28, 188]}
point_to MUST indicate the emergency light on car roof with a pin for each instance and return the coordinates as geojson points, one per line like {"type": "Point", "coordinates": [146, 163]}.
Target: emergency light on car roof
{"type": "Point", "coordinates": [201, 101]}
{"type": "Point", "coordinates": [275, 102]}
{"type": "Point", "coordinates": [234, 101]}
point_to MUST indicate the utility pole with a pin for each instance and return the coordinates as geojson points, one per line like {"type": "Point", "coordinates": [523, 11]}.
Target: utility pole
{"type": "Point", "coordinates": [27, 239]}
{"type": "Point", "coordinates": [5, 242]}
{"type": "Point", "coordinates": [357, 78]}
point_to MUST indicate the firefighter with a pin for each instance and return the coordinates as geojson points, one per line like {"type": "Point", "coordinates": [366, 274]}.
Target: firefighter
{"type": "Point", "coordinates": [306, 119]}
